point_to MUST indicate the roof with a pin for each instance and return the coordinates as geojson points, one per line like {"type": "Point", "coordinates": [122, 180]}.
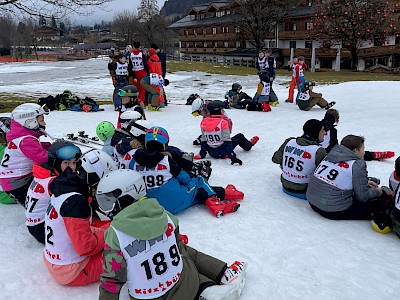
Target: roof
{"type": "Point", "coordinates": [187, 21]}
{"type": "Point", "coordinates": [301, 11]}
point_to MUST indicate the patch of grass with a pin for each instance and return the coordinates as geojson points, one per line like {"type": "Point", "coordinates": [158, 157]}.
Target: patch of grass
{"type": "Point", "coordinates": [320, 77]}
{"type": "Point", "coordinates": [10, 101]}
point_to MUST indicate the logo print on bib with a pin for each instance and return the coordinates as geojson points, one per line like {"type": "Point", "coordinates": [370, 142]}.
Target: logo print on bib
{"type": "Point", "coordinates": [170, 229]}
{"type": "Point", "coordinates": [11, 145]}
{"type": "Point", "coordinates": [343, 164]}
{"type": "Point", "coordinates": [306, 155]}
{"type": "Point", "coordinates": [39, 189]}
{"type": "Point", "coordinates": [161, 167]}
{"type": "Point", "coordinates": [53, 214]}
{"type": "Point", "coordinates": [127, 156]}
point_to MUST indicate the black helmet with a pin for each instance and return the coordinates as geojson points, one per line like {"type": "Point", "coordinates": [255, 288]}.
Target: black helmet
{"type": "Point", "coordinates": [236, 87]}
{"type": "Point", "coordinates": [215, 107]}
{"type": "Point", "coordinates": [397, 166]}
{"type": "Point", "coordinates": [62, 150]}
{"type": "Point", "coordinates": [129, 91]}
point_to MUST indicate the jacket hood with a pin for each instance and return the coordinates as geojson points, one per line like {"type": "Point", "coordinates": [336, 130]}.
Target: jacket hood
{"type": "Point", "coordinates": [67, 182]}
{"type": "Point", "coordinates": [341, 153]}
{"type": "Point", "coordinates": [17, 130]}
{"type": "Point", "coordinates": [306, 141]}
{"type": "Point", "coordinates": [149, 159]}
{"type": "Point", "coordinates": [43, 171]}
{"type": "Point", "coordinates": [154, 57]}
{"type": "Point", "coordinates": [145, 219]}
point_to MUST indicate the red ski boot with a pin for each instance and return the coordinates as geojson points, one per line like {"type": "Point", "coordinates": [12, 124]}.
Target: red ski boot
{"type": "Point", "coordinates": [232, 194]}
{"type": "Point", "coordinates": [265, 107]}
{"type": "Point", "coordinates": [383, 155]}
{"type": "Point", "coordinates": [219, 208]}
{"type": "Point", "coordinates": [254, 140]}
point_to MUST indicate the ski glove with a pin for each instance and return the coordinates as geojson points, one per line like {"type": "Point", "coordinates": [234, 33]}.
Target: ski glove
{"type": "Point", "coordinates": [235, 160]}
{"type": "Point", "coordinates": [197, 156]}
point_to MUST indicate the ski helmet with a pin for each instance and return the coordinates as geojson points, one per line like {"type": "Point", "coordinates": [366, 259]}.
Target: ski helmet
{"type": "Point", "coordinates": [118, 189]}
{"type": "Point", "coordinates": [105, 130]}
{"type": "Point", "coordinates": [128, 117]}
{"type": "Point", "coordinates": [62, 150]}
{"type": "Point", "coordinates": [156, 139]}
{"type": "Point", "coordinates": [26, 114]}
{"type": "Point", "coordinates": [236, 87]}
{"type": "Point", "coordinates": [215, 107]}
{"type": "Point", "coordinates": [197, 106]}
{"type": "Point", "coordinates": [95, 164]}
{"type": "Point", "coordinates": [129, 91]}
{"type": "Point", "coordinates": [4, 128]}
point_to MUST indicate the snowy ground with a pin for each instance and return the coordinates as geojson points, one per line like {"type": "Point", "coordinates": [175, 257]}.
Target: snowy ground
{"type": "Point", "coordinates": [292, 252]}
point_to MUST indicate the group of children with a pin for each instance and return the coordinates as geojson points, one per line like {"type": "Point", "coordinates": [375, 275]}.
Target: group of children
{"type": "Point", "coordinates": [70, 199]}
{"type": "Point", "coordinates": [143, 69]}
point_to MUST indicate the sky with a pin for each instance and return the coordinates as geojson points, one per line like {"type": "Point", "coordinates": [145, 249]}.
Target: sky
{"type": "Point", "coordinates": [111, 9]}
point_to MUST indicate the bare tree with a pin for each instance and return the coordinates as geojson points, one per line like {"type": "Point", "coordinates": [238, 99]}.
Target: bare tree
{"type": "Point", "coordinates": [258, 19]}
{"type": "Point", "coordinates": [7, 32]}
{"type": "Point", "coordinates": [126, 23]}
{"type": "Point", "coordinates": [49, 8]}
{"type": "Point", "coordinates": [147, 10]}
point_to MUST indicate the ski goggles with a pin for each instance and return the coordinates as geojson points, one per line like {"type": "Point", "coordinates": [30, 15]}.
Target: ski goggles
{"type": "Point", "coordinates": [3, 127]}
{"type": "Point", "coordinates": [43, 110]}
{"type": "Point", "coordinates": [123, 93]}
{"type": "Point", "coordinates": [69, 152]}
{"type": "Point", "coordinates": [106, 201]}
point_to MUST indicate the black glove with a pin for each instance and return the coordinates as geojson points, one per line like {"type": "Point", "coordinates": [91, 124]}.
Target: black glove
{"type": "Point", "coordinates": [235, 160]}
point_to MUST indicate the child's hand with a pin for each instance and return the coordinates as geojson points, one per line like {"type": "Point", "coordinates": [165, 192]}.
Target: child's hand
{"type": "Point", "coordinates": [235, 160]}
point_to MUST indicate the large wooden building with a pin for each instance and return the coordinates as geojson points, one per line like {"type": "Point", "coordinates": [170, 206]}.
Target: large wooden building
{"type": "Point", "coordinates": [211, 32]}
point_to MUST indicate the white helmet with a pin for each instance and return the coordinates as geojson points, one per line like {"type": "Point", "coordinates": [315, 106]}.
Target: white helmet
{"type": "Point", "coordinates": [128, 117]}
{"type": "Point", "coordinates": [140, 127]}
{"type": "Point", "coordinates": [26, 114]}
{"type": "Point", "coordinates": [197, 105]}
{"type": "Point", "coordinates": [118, 189]}
{"type": "Point", "coordinates": [96, 164]}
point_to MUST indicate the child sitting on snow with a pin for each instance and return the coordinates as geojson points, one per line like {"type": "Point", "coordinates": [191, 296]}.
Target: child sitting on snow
{"type": "Point", "coordinates": [61, 154]}
{"type": "Point", "coordinates": [307, 99]}
{"type": "Point", "coordinates": [261, 99]}
{"type": "Point", "coordinates": [155, 263]}
{"type": "Point", "coordinates": [165, 179]}
{"type": "Point", "coordinates": [236, 98]}
{"type": "Point", "coordinates": [216, 136]}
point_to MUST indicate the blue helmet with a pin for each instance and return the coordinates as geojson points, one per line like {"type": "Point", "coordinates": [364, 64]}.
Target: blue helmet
{"type": "Point", "coordinates": [156, 138]}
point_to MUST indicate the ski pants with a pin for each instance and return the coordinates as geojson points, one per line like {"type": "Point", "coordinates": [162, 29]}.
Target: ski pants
{"type": "Point", "coordinates": [315, 99]}
{"type": "Point", "coordinates": [38, 232]}
{"type": "Point", "coordinates": [291, 89]}
{"type": "Point", "coordinates": [91, 273]}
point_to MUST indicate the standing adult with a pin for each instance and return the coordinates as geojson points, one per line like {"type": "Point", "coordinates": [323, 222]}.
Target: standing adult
{"type": "Point", "coordinates": [112, 61]}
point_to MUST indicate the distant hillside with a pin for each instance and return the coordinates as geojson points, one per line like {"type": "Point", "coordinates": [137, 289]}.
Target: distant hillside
{"type": "Point", "coordinates": [174, 9]}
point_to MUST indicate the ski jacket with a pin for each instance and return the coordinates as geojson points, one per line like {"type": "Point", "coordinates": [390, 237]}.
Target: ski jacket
{"type": "Point", "coordinates": [338, 194]}
{"type": "Point", "coordinates": [163, 59]}
{"type": "Point", "coordinates": [279, 158]}
{"type": "Point", "coordinates": [394, 181]}
{"type": "Point", "coordinates": [28, 149]}
{"type": "Point", "coordinates": [145, 220]}
{"type": "Point", "coordinates": [154, 65]}
{"type": "Point", "coordinates": [216, 137]}
{"type": "Point", "coordinates": [330, 139]}
{"type": "Point", "coordinates": [76, 215]}
{"type": "Point", "coordinates": [175, 194]}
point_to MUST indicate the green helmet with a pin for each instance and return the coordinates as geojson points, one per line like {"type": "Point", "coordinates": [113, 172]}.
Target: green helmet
{"type": "Point", "coordinates": [105, 130]}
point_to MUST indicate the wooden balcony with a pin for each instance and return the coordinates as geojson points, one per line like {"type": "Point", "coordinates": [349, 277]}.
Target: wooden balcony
{"type": "Point", "coordinates": [294, 35]}
{"type": "Point", "coordinates": [379, 51]}
{"type": "Point", "coordinates": [208, 37]}
{"type": "Point", "coordinates": [321, 53]}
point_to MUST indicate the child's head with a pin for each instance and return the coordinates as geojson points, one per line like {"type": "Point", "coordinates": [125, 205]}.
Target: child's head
{"type": "Point", "coordinates": [156, 139]}
{"type": "Point", "coordinates": [128, 93]}
{"type": "Point", "coordinates": [122, 58]}
{"type": "Point", "coordinates": [4, 128]}
{"type": "Point", "coordinates": [198, 107]}
{"type": "Point", "coordinates": [333, 112]}
{"type": "Point", "coordinates": [300, 59]}
{"type": "Point", "coordinates": [261, 53]}
{"type": "Point", "coordinates": [268, 52]}
{"type": "Point", "coordinates": [295, 60]}
{"type": "Point", "coordinates": [105, 130]}
{"type": "Point", "coordinates": [354, 143]}
{"type": "Point", "coordinates": [30, 115]}
{"type": "Point", "coordinates": [119, 189]}
{"type": "Point", "coordinates": [63, 154]}
{"type": "Point", "coordinates": [236, 87]}
{"type": "Point", "coordinates": [215, 107]}
{"type": "Point", "coordinates": [136, 45]}
{"type": "Point", "coordinates": [314, 129]}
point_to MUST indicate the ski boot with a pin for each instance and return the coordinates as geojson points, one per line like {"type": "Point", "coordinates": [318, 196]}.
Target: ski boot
{"type": "Point", "coordinates": [382, 223]}
{"type": "Point", "coordinates": [274, 103]}
{"type": "Point", "coordinates": [232, 193]}
{"type": "Point", "coordinates": [329, 105]}
{"type": "Point", "coordinates": [197, 142]}
{"type": "Point", "coordinates": [288, 101]}
{"type": "Point", "coordinates": [234, 274]}
{"type": "Point", "coordinates": [383, 155]}
{"type": "Point", "coordinates": [265, 107]}
{"type": "Point", "coordinates": [219, 208]}
{"type": "Point", "coordinates": [254, 140]}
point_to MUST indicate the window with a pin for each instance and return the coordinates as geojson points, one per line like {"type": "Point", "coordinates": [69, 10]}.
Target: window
{"type": "Point", "coordinates": [195, 44]}
{"type": "Point", "coordinates": [195, 31]}
{"type": "Point", "coordinates": [238, 44]}
{"type": "Point", "coordinates": [204, 31]}
{"type": "Point", "coordinates": [272, 44]}
{"type": "Point", "coordinates": [226, 44]}
{"type": "Point", "coordinates": [186, 32]}
{"type": "Point", "coordinates": [225, 29]}
{"type": "Point", "coordinates": [237, 29]}
{"type": "Point", "coordinates": [187, 44]}
{"type": "Point", "coordinates": [309, 26]}
{"type": "Point", "coordinates": [205, 44]}
{"type": "Point", "coordinates": [215, 44]}
{"type": "Point", "coordinates": [214, 30]}
{"type": "Point", "coordinates": [228, 12]}
{"type": "Point", "coordinates": [308, 45]}
{"type": "Point", "coordinates": [292, 44]}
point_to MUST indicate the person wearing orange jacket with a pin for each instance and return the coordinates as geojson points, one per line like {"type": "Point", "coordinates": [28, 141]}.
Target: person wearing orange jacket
{"type": "Point", "coordinates": [154, 82]}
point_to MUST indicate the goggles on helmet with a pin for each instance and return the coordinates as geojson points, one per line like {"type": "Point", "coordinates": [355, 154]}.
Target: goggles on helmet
{"type": "Point", "coordinates": [68, 152]}
{"type": "Point", "coordinates": [107, 201]}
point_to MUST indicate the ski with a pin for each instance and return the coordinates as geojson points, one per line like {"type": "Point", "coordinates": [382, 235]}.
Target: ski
{"type": "Point", "coordinates": [84, 140]}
